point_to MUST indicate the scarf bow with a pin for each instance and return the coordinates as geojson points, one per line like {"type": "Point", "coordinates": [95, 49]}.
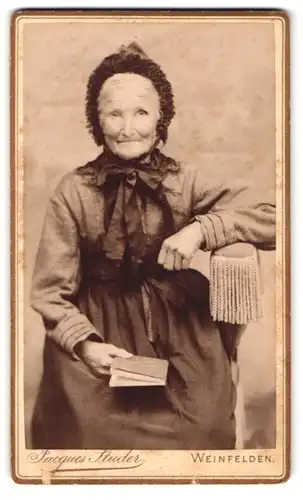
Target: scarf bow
{"type": "Point", "coordinates": [128, 186]}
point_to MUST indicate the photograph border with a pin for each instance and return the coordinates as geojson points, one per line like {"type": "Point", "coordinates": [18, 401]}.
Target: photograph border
{"type": "Point", "coordinates": [16, 256]}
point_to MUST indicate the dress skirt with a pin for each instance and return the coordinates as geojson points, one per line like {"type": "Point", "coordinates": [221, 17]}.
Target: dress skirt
{"type": "Point", "coordinates": [75, 409]}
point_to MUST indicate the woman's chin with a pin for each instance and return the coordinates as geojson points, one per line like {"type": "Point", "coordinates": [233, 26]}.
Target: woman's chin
{"type": "Point", "coordinates": [129, 151]}
{"type": "Point", "coordinates": [129, 155]}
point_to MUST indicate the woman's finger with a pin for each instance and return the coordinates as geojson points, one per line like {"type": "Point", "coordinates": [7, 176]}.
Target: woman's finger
{"type": "Point", "coordinates": [105, 362]}
{"type": "Point", "coordinates": [169, 261]}
{"type": "Point", "coordinates": [122, 353]}
{"type": "Point", "coordinates": [114, 352]}
{"type": "Point", "coordinates": [186, 263]}
{"type": "Point", "coordinates": [102, 371]}
{"type": "Point", "coordinates": [97, 371]}
{"type": "Point", "coordinates": [178, 261]}
{"type": "Point", "coordinates": [162, 254]}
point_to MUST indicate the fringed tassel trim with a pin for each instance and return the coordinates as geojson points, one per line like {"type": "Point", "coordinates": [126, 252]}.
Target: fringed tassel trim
{"type": "Point", "coordinates": [235, 295]}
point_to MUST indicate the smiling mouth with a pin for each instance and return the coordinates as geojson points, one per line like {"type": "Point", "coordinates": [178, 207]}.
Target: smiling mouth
{"type": "Point", "coordinates": [125, 142]}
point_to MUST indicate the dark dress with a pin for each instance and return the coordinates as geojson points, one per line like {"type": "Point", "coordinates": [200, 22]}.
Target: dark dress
{"type": "Point", "coordinates": [97, 274]}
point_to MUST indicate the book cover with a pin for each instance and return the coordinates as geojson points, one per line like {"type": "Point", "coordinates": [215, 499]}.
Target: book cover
{"type": "Point", "coordinates": [137, 371]}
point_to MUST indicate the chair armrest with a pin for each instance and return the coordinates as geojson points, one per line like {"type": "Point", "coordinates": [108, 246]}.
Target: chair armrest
{"type": "Point", "coordinates": [235, 295]}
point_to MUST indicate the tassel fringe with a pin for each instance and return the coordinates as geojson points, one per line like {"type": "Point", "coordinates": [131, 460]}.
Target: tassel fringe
{"type": "Point", "coordinates": [235, 295]}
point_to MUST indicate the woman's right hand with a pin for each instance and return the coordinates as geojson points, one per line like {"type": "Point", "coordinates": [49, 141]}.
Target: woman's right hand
{"type": "Point", "coordinates": [99, 356]}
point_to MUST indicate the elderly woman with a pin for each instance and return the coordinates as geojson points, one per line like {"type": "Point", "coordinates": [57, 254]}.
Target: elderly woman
{"type": "Point", "coordinates": [112, 278]}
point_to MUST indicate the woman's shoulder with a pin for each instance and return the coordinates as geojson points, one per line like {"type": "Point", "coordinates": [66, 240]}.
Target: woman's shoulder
{"type": "Point", "coordinates": [80, 177]}
{"type": "Point", "coordinates": [182, 174]}
{"type": "Point", "coordinates": [177, 167]}
{"type": "Point", "coordinates": [75, 186]}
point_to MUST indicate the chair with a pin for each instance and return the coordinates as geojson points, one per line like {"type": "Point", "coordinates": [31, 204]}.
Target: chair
{"type": "Point", "coordinates": [235, 301]}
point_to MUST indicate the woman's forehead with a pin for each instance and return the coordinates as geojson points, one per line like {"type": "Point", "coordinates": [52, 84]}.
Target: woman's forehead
{"type": "Point", "coordinates": [128, 86]}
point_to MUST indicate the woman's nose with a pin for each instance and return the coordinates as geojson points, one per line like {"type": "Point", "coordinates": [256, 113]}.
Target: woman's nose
{"type": "Point", "coordinates": [127, 126]}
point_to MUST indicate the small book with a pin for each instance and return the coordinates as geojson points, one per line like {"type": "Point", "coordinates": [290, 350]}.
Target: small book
{"type": "Point", "coordinates": [138, 371]}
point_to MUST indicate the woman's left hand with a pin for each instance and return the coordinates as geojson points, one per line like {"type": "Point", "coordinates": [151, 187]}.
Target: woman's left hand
{"type": "Point", "coordinates": [178, 250]}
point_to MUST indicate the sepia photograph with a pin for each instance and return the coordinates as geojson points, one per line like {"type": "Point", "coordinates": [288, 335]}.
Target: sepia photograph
{"type": "Point", "coordinates": [150, 214]}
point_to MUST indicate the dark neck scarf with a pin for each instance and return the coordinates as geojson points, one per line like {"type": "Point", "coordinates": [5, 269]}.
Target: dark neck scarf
{"type": "Point", "coordinates": [128, 185]}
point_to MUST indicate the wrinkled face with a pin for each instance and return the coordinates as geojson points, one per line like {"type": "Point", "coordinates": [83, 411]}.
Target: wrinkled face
{"type": "Point", "coordinates": [129, 112]}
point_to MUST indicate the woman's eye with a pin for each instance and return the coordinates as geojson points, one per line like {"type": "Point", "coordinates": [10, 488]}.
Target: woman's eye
{"type": "Point", "coordinates": [142, 112]}
{"type": "Point", "coordinates": [114, 113]}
